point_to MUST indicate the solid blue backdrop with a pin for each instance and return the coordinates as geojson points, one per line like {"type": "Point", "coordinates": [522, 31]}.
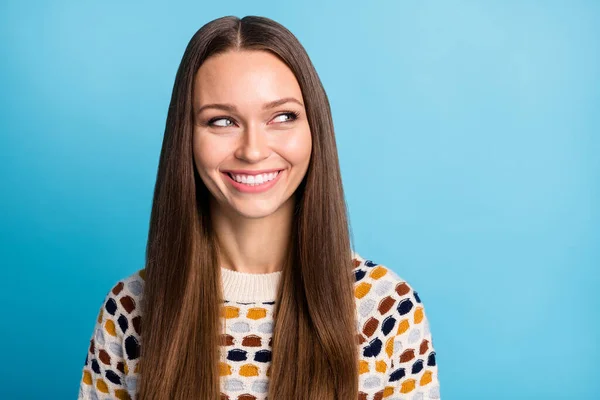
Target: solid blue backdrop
{"type": "Point", "coordinates": [468, 139]}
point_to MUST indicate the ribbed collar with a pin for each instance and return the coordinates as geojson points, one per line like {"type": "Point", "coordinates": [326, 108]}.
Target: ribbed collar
{"type": "Point", "coordinates": [246, 287]}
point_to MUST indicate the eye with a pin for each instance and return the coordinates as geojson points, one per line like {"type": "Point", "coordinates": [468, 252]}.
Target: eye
{"type": "Point", "coordinates": [292, 116]}
{"type": "Point", "coordinates": [212, 122]}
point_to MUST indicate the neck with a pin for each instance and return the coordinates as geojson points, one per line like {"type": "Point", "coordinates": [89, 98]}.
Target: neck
{"type": "Point", "coordinates": [253, 245]}
{"type": "Point", "coordinates": [245, 287]}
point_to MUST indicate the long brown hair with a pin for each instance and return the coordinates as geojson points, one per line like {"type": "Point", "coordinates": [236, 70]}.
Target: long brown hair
{"type": "Point", "coordinates": [314, 344]}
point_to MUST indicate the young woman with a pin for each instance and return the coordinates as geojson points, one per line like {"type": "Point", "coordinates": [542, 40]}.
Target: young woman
{"type": "Point", "coordinates": [251, 288]}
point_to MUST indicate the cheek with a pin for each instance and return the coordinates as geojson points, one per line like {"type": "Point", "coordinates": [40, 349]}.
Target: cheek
{"type": "Point", "coordinates": [207, 152]}
{"type": "Point", "coordinates": [297, 147]}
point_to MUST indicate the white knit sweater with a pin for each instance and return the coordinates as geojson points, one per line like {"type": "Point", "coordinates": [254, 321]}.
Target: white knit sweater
{"type": "Point", "coordinates": [397, 357]}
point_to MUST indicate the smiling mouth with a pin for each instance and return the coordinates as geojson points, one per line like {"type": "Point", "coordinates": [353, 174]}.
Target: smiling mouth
{"type": "Point", "coordinates": [254, 180]}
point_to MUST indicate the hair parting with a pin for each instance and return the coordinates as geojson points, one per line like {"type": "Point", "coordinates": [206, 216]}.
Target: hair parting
{"type": "Point", "coordinates": [314, 352]}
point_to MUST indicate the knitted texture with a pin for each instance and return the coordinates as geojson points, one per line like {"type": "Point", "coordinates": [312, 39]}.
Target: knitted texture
{"type": "Point", "coordinates": [397, 359]}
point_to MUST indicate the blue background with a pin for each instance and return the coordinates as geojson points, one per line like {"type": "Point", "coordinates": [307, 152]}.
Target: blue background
{"type": "Point", "coordinates": [468, 139]}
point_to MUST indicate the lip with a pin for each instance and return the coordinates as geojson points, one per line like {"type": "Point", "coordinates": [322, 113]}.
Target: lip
{"type": "Point", "coordinates": [252, 189]}
{"type": "Point", "coordinates": [251, 172]}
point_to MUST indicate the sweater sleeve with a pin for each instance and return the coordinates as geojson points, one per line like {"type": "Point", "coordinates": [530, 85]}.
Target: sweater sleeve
{"type": "Point", "coordinates": [413, 371]}
{"type": "Point", "coordinates": [104, 370]}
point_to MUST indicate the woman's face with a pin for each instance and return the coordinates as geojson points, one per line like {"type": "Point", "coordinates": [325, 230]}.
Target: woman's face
{"type": "Point", "coordinates": [249, 118]}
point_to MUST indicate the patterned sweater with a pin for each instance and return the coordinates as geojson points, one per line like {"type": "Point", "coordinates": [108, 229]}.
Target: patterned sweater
{"type": "Point", "coordinates": [397, 358]}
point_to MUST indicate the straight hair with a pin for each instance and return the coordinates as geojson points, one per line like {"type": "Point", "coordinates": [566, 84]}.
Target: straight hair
{"type": "Point", "coordinates": [314, 343]}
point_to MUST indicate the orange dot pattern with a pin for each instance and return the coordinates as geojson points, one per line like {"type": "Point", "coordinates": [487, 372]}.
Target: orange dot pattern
{"type": "Point", "coordinates": [397, 360]}
{"type": "Point", "coordinates": [397, 357]}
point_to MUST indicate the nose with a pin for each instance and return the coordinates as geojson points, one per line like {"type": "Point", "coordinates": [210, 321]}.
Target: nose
{"type": "Point", "coordinates": [253, 146]}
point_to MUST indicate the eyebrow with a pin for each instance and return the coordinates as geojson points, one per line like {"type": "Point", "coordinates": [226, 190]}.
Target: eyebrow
{"type": "Point", "coordinates": [266, 106]}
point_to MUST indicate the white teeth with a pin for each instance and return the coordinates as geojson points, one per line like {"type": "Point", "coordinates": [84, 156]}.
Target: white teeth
{"type": "Point", "coordinates": [254, 180]}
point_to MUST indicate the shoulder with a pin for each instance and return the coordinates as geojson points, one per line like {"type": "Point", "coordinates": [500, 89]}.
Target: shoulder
{"type": "Point", "coordinates": [387, 305]}
{"type": "Point", "coordinates": [393, 332]}
{"type": "Point", "coordinates": [114, 344]}
{"type": "Point", "coordinates": [128, 291]}
{"type": "Point", "coordinates": [373, 280]}
{"type": "Point", "coordinates": [122, 302]}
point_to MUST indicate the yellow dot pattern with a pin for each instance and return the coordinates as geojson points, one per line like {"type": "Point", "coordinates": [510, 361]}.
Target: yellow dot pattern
{"type": "Point", "coordinates": [397, 359]}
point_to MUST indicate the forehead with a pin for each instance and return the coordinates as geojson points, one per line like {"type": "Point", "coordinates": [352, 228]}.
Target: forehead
{"type": "Point", "coordinates": [245, 78]}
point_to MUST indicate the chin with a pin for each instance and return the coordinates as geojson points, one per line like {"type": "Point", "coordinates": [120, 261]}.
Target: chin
{"type": "Point", "coordinates": [254, 213]}
{"type": "Point", "coordinates": [252, 209]}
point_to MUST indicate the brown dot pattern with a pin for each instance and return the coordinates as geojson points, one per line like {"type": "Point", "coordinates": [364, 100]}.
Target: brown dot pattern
{"type": "Point", "coordinates": [397, 359]}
